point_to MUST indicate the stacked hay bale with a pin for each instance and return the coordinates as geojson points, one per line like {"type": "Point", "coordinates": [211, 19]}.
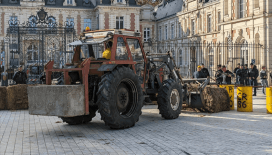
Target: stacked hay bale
{"type": "Point", "coordinates": [3, 98]}
{"type": "Point", "coordinates": [17, 97]}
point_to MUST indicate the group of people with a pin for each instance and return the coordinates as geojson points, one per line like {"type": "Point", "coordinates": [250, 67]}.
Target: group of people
{"type": "Point", "coordinates": [248, 76]}
{"type": "Point", "coordinates": [244, 76]}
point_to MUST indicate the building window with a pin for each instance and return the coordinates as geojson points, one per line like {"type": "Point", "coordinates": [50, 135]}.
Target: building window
{"type": "Point", "coordinates": [209, 23]}
{"type": "Point", "coordinates": [180, 57]}
{"type": "Point", "coordinates": [88, 23]}
{"type": "Point", "coordinates": [179, 30]}
{"type": "Point", "coordinates": [172, 31]}
{"type": "Point", "coordinates": [146, 34]}
{"type": "Point", "coordinates": [226, 7]}
{"type": "Point", "coordinates": [119, 1]}
{"type": "Point", "coordinates": [211, 57]}
{"type": "Point", "coordinates": [174, 55]}
{"type": "Point", "coordinates": [160, 33]}
{"type": "Point", "coordinates": [256, 4]}
{"type": "Point", "coordinates": [166, 35]}
{"type": "Point", "coordinates": [193, 27]}
{"type": "Point", "coordinates": [200, 23]}
{"type": "Point", "coordinates": [69, 2]}
{"type": "Point", "coordinates": [13, 1]}
{"type": "Point", "coordinates": [97, 20]}
{"type": "Point", "coordinates": [219, 20]}
{"type": "Point", "coordinates": [242, 8]}
{"type": "Point", "coordinates": [119, 22]}
{"type": "Point", "coordinates": [185, 26]}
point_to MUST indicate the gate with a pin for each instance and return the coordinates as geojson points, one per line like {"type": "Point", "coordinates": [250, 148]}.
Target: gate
{"type": "Point", "coordinates": [39, 40]}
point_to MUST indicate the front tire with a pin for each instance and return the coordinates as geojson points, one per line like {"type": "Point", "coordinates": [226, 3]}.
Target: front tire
{"type": "Point", "coordinates": [120, 98]}
{"type": "Point", "coordinates": [170, 99]}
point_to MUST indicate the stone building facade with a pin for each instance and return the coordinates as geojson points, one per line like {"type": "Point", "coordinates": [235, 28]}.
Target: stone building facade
{"type": "Point", "coordinates": [96, 14]}
{"type": "Point", "coordinates": [214, 32]}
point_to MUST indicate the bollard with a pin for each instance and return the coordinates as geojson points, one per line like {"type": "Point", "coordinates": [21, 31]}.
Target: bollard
{"type": "Point", "coordinates": [269, 100]}
{"type": "Point", "coordinates": [244, 99]}
{"type": "Point", "coordinates": [230, 89]}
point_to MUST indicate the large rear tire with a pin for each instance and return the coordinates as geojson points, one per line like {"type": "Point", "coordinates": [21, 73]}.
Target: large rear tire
{"type": "Point", "coordinates": [81, 119]}
{"type": "Point", "coordinates": [120, 98]}
{"type": "Point", "coordinates": [170, 99]}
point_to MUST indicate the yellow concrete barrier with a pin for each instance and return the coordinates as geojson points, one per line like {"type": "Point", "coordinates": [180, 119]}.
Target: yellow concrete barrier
{"type": "Point", "coordinates": [244, 99]}
{"type": "Point", "coordinates": [269, 100]}
{"type": "Point", "coordinates": [230, 89]}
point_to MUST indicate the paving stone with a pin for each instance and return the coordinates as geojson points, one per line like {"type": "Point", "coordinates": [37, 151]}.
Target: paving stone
{"type": "Point", "coordinates": [228, 132]}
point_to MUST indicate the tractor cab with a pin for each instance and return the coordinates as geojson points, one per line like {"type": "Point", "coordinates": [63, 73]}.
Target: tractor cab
{"type": "Point", "coordinates": [124, 45]}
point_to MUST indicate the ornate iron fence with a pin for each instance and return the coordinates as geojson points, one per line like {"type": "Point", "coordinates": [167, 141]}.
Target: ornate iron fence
{"type": "Point", "coordinates": [38, 40]}
{"type": "Point", "coordinates": [189, 55]}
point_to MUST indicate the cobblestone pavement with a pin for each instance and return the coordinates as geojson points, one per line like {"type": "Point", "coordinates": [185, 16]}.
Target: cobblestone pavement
{"type": "Point", "coordinates": [193, 133]}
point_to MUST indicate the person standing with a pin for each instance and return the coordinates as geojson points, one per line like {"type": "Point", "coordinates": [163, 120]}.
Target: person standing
{"type": "Point", "coordinates": [235, 70]}
{"type": "Point", "coordinates": [218, 75]}
{"type": "Point", "coordinates": [205, 71]}
{"type": "Point", "coordinates": [253, 75]}
{"type": "Point", "coordinates": [20, 77]}
{"type": "Point", "coordinates": [263, 76]}
{"type": "Point", "coordinates": [198, 73]}
{"type": "Point", "coordinates": [240, 75]}
{"type": "Point", "coordinates": [245, 73]}
{"type": "Point", "coordinates": [228, 75]}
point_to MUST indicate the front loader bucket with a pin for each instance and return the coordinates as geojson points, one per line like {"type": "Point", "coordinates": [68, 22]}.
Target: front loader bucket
{"type": "Point", "coordinates": [56, 100]}
{"type": "Point", "coordinates": [196, 101]}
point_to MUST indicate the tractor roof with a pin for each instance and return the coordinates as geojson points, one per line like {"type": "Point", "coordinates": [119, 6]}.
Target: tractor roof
{"type": "Point", "coordinates": [105, 32]}
{"type": "Point", "coordinates": [99, 36]}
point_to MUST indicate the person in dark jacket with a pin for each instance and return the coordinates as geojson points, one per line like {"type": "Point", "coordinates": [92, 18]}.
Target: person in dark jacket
{"type": "Point", "coordinates": [253, 74]}
{"type": "Point", "coordinates": [246, 75]}
{"type": "Point", "coordinates": [20, 77]}
{"type": "Point", "coordinates": [198, 73]}
{"type": "Point", "coordinates": [235, 70]}
{"type": "Point", "coordinates": [218, 75]}
{"type": "Point", "coordinates": [205, 71]}
{"type": "Point", "coordinates": [263, 76]}
{"type": "Point", "coordinates": [240, 73]}
{"type": "Point", "coordinates": [228, 75]}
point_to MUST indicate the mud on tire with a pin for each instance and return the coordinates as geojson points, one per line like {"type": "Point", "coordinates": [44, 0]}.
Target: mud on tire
{"type": "Point", "coordinates": [81, 119]}
{"type": "Point", "coordinates": [170, 99]}
{"type": "Point", "coordinates": [120, 98]}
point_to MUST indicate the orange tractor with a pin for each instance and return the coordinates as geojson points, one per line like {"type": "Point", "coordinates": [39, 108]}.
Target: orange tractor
{"type": "Point", "coordinates": [116, 87]}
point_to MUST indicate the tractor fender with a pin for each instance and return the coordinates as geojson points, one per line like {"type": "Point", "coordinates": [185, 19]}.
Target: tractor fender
{"type": "Point", "coordinates": [108, 67]}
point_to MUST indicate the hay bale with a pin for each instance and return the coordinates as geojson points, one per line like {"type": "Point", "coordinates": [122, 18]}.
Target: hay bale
{"type": "Point", "coordinates": [216, 99]}
{"type": "Point", "coordinates": [3, 98]}
{"type": "Point", "coordinates": [17, 97]}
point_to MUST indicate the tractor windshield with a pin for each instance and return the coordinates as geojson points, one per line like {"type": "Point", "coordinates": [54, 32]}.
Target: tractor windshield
{"type": "Point", "coordinates": [91, 48]}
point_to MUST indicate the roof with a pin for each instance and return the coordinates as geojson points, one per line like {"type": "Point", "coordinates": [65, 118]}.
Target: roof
{"type": "Point", "coordinates": [169, 8]}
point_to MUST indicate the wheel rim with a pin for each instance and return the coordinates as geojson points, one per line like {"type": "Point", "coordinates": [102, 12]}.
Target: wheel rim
{"type": "Point", "coordinates": [174, 99]}
{"type": "Point", "coordinates": [126, 98]}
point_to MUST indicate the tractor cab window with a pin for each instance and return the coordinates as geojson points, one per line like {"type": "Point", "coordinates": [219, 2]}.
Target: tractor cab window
{"type": "Point", "coordinates": [135, 49]}
{"type": "Point", "coordinates": [121, 50]}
